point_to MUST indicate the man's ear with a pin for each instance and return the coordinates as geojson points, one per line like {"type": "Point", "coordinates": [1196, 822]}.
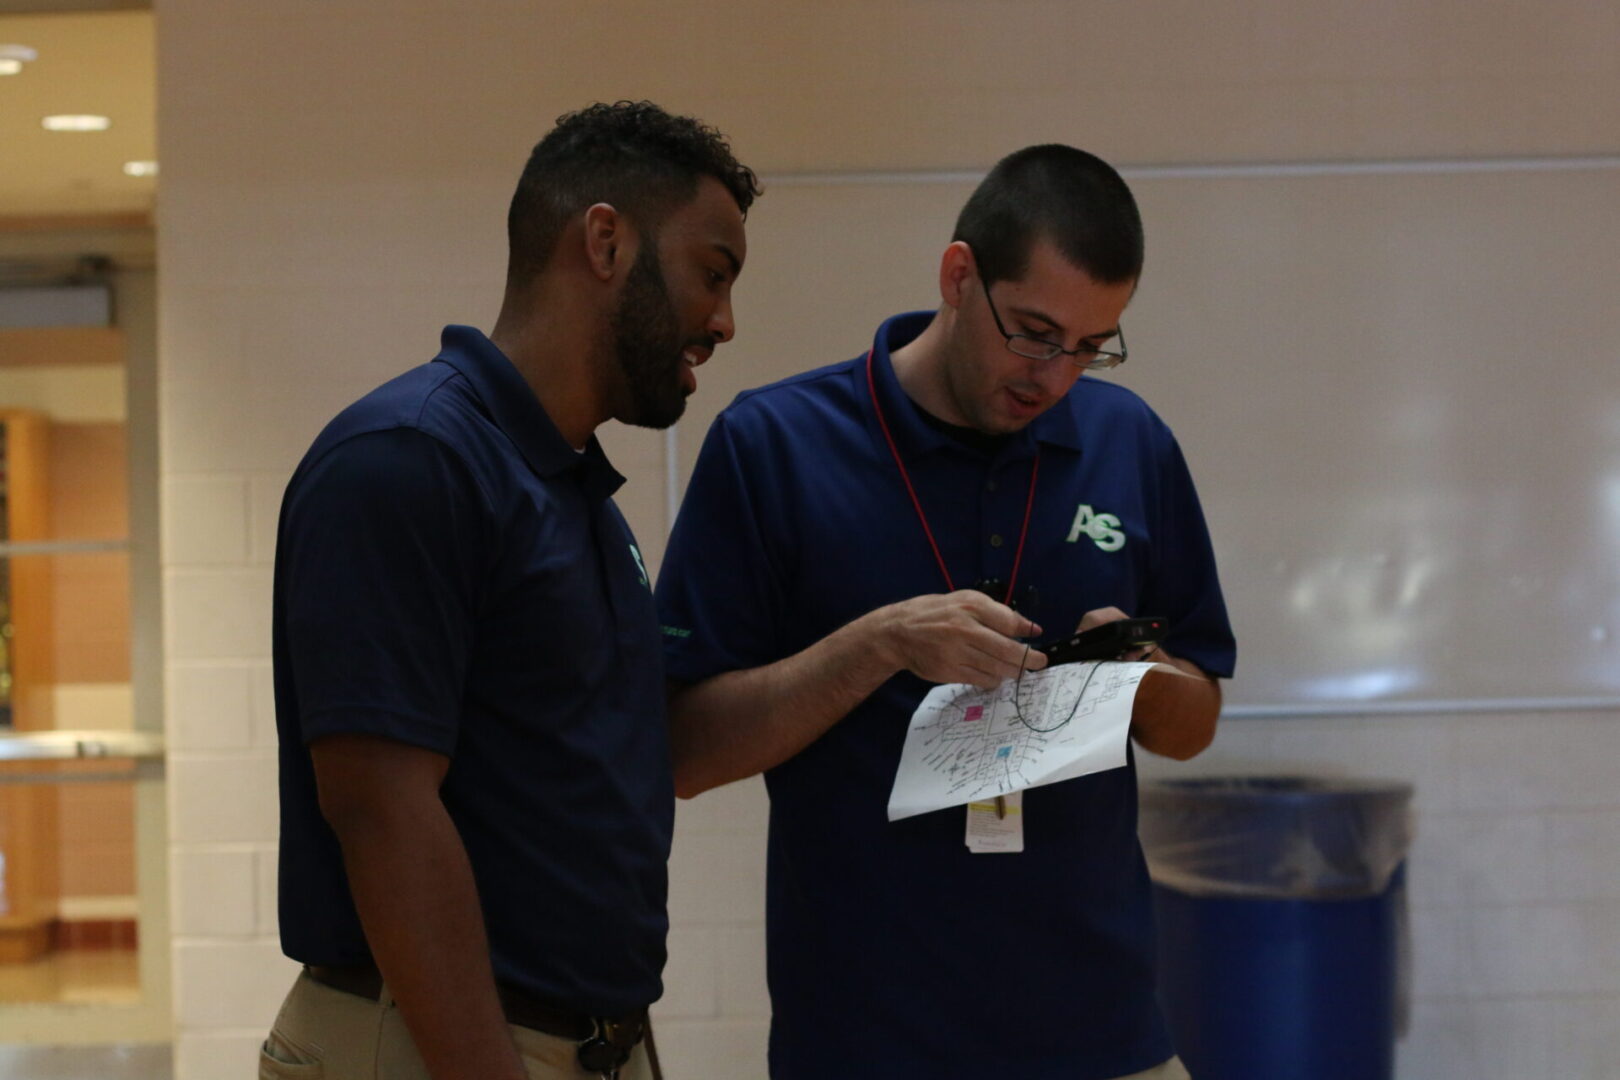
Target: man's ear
{"type": "Point", "coordinates": [957, 271]}
{"type": "Point", "coordinates": [606, 239]}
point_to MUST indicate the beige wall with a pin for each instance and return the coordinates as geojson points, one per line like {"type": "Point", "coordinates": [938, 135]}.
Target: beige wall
{"type": "Point", "coordinates": [333, 191]}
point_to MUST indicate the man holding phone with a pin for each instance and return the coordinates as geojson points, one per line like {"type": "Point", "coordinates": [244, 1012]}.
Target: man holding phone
{"type": "Point", "coordinates": [909, 517]}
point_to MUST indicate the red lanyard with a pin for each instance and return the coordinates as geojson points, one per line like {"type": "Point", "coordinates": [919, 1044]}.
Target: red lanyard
{"type": "Point", "coordinates": [1029, 504]}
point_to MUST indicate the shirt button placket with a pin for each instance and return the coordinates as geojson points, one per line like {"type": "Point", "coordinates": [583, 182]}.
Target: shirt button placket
{"type": "Point", "coordinates": [989, 502]}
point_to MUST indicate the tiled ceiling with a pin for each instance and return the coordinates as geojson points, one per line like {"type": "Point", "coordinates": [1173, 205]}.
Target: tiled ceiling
{"type": "Point", "coordinates": [96, 62]}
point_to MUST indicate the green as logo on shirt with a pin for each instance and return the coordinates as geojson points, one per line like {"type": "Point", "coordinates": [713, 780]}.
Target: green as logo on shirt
{"type": "Point", "coordinates": [635, 553]}
{"type": "Point", "coordinates": [1102, 529]}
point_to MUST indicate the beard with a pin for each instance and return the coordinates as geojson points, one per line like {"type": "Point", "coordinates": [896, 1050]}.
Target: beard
{"type": "Point", "coordinates": [647, 346]}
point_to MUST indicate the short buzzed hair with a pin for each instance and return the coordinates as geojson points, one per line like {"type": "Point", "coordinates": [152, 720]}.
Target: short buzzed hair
{"type": "Point", "coordinates": [1072, 198]}
{"type": "Point", "coordinates": [631, 155]}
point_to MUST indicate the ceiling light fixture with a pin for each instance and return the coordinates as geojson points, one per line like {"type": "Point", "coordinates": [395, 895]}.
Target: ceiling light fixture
{"type": "Point", "coordinates": [20, 53]}
{"type": "Point", "coordinates": [140, 168]}
{"type": "Point", "coordinates": [68, 122]}
{"type": "Point", "coordinates": [9, 65]}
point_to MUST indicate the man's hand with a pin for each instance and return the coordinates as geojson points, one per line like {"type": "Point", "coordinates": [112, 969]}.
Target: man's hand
{"type": "Point", "coordinates": [960, 637]}
{"type": "Point", "coordinates": [739, 723]}
{"type": "Point", "coordinates": [1173, 714]}
{"type": "Point", "coordinates": [1100, 616]}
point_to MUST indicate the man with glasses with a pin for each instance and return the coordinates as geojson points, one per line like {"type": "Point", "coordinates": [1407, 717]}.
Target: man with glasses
{"type": "Point", "coordinates": [914, 516]}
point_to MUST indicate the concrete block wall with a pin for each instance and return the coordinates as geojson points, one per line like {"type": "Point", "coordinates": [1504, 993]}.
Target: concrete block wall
{"type": "Point", "coordinates": [334, 191]}
{"type": "Point", "coordinates": [715, 1015]}
{"type": "Point", "coordinates": [228, 972]}
{"type": "Point", "coordinates": [1514, 882]}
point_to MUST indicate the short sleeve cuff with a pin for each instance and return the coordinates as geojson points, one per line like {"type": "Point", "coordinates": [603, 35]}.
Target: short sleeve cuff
{"type": "Point", "coordinates": [413, 730]}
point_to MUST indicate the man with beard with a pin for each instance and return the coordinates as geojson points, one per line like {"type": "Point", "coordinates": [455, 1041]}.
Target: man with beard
{"type": "Point", "coordinates": [476, 800]}
{"type": "Point", "coordinates": [857, 533]}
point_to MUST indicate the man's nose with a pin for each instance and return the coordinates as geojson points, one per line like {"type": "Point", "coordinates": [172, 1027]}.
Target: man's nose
{"type": "Point", "coordinates": [1054, 375]}
{"type": "Point", "coordinates": [722, 323]}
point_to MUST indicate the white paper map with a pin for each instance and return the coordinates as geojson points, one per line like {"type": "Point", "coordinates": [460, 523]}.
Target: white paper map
{"type": "Point", "coordinates": [966, 744]}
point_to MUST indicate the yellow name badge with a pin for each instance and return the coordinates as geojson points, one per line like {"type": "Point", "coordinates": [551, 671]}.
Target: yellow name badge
{"type": "Point", "coordinates": [992, 829]}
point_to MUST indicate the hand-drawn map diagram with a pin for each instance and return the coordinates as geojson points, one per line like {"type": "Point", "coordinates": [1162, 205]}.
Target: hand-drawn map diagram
{"type": "Point", "coordinates": [966, 744]}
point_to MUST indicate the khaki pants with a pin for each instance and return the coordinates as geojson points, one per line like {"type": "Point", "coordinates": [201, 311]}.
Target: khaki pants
{"type": "Point", "coordinates": [326, 1034]}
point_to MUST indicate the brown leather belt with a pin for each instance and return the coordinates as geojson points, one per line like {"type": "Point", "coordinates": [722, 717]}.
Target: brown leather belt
{"type": "Point", "coordinates": [364, 980]}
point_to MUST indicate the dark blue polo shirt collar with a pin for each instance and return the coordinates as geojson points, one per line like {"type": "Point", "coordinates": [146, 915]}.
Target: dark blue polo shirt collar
{"type": "Point", "coordinates": [1056, 426]}
{"type": "Point", "coordinates": [517, 412]}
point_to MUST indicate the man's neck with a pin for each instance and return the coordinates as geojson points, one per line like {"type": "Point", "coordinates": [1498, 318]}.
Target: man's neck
{"type": "Point", "coordinates": [556, 360]}
{"type": "Point", "coordinates": [982, 441]}
{"type": "Point", "coordinates": [919, 366]}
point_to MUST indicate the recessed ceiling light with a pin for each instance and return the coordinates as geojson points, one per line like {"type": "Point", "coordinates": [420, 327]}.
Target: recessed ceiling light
{"type": "Point", "coordinates": [76, 123]}
{"type": "Point", "coordinates": [9, 65]}
{"type": "Point", "coordinates": [140, 168]}
{"type": "Point", "coordinates": [20, 53]}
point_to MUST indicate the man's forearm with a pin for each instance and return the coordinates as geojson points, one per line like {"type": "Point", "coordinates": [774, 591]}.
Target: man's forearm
{"type": "Point", "coordinates": [1174, 714]}
{"type": "Point", "coordinates": [740, 723]}
{"type": "Point", "coordinates": [418, 904]}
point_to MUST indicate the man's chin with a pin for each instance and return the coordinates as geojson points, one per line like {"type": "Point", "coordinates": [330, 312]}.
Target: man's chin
{"type": "Point", "coordinates": [656, 415]}
{"type": "Point", "coordinates": [1000, 425]}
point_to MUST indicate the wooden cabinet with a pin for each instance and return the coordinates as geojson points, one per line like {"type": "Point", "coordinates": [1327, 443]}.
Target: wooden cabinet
{"type": "Point", "coordinates": [29, 818]}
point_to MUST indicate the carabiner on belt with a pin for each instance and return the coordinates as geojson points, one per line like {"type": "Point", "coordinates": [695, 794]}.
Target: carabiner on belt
{"type": "Point", "coordinates": [604, 1052]}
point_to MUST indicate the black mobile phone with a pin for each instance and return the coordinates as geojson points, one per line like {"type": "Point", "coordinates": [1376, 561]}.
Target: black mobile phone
{"type": "Point", "coordinates": [1107, 641]}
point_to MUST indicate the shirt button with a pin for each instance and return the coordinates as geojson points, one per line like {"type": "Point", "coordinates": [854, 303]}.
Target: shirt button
{"type": "Point", "coordinates": [995, 539]}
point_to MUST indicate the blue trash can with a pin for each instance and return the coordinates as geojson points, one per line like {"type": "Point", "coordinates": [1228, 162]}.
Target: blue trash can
{"type": "Point", "coordinates": [1282, 923]}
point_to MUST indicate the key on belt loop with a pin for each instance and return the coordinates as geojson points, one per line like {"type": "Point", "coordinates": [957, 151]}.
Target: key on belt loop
{"type": "Point", "coordinates": [603, 1053]}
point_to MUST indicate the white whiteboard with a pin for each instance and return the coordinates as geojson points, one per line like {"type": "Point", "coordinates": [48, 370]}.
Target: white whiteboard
{"type": "Point", "coordinates": [1399, 394]}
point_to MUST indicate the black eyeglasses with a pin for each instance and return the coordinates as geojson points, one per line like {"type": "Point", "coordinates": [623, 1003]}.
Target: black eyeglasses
{"type": "Point", "coordinates": [1087, 355]}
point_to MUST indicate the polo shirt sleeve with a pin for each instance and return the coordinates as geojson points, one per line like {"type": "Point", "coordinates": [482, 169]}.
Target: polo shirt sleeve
{"type": "Point", "coordinates": [1183, 584]}
{"type": "Point", "coordinates": [719, 594]}
{"type": "Point", "coordinates": [378, 569]}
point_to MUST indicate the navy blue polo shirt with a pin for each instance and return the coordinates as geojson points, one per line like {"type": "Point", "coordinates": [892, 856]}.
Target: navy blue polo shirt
{"type": "Point", "coordinates": [452, 574]}
{"type": "Point", "coordinates": [893, 951]}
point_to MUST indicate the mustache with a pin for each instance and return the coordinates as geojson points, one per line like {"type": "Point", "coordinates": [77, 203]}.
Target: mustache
{"type": "Point", "coordinates": [702, 341]}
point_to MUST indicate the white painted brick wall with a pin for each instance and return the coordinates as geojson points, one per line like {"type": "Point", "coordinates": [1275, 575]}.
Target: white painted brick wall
{"type": "Point", "coordinates": [1514, 877]}
{"type": "Point", "coordinates": [726, 1049]}
{"type": "Point", "coordinates": [215, 891]}
{"type": "Point", "coordinates": [218, 613]}
{"type": "Point", "coordinates": [715, 1016]}
{"type": "Point", "coordinates": [205, 520]}
{"type": "Point", "coordinates": [222, 798]}
{"type": "Point", "coordinates": [264, 513]}
{"type": "Point", "coordinates": [210, 706]}
{"type": "Point", "coordinates": [224, 984]}
{"type": "Point", "coordinates": [305, 257]}
{"type": "Point", "coordinates": [229, 973]}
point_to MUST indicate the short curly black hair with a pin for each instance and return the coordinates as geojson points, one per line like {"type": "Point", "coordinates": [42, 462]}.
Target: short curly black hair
{"type": "Point", "coordinates": [633, 155]}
